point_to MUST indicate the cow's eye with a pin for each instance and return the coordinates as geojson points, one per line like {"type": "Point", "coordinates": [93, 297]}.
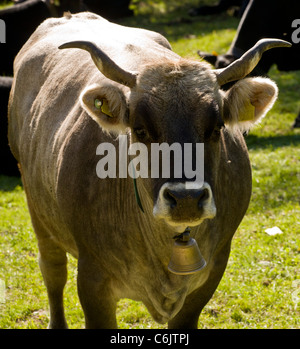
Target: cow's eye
{"type": "Point", "coordinates": [215, 134]}
{"type": "Point", "coordinates": [141, 133]}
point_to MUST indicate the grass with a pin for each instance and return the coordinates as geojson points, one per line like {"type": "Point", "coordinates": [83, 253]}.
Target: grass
{"type": "Point", "coordinates": [261, 285]}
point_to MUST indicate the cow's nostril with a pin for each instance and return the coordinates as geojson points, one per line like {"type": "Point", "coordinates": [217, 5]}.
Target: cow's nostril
{"type": "Point", "coordinates": [204, 195]}
{"type": "Point", "coordinates": [170, 198]}
{"type": "Point", "coordinates": [185, 198]}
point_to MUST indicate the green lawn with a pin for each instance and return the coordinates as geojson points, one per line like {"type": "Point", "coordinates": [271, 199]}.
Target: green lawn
{"type": "Point", "coordinates": [261, 285]}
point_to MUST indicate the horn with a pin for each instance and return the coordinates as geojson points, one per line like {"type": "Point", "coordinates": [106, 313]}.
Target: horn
{"type": "Point", "coordinates": [243, 66]}
{"type": "Point", "coordinates": [106, 66]}
{"type": "Point", "coordinates": [186, 257]}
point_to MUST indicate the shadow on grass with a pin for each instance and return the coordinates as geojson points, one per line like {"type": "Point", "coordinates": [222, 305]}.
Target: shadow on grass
{"type": "Point", "coordinates": [9, 183]}
{"type": "Point", "coordinates": [259, 142]}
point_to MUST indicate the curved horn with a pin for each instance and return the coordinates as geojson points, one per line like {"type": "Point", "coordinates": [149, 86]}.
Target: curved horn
{"type": "Point", "coordinates": [106, 66]}
{"type": "Point", "coordinates": [244, 65]}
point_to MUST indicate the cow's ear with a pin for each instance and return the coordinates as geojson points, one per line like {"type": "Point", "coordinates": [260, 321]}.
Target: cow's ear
{"type": "Point", "coordinates": [107, 106]}
{"type": "Point", "coordinates": [248, 101]}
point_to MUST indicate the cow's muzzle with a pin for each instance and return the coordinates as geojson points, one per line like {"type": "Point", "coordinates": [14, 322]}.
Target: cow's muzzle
{"type": "Point", "coordinates": [181, 207]}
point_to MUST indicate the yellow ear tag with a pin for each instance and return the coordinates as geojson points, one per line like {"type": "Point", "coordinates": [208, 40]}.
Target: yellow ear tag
{"type": "Point", "coordinates": [103, 105]}
{"type": "Point", "coordinates": [247, 112]}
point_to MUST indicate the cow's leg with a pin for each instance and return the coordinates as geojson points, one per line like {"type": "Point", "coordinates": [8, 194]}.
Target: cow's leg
{"type": "Point", "coordinates": [53, 265]}
{"type": "Point", "coordinates": [188, 316]}
{"type": "Point", "coordinates": [96, 296]}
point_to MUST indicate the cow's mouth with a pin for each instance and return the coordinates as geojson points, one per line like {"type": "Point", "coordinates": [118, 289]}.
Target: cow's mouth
{"type": "Point", "coordinates": [181, 207]}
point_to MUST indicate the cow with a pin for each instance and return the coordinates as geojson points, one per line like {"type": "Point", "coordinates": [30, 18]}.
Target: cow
{"type": "Point", "coordinates": [88, 82]}
{"type": "Point", "coordinates": [8, 164]}
{"type": "Point", "coordinates": [263, 19]}
{"type": "Point", "coordinates": [260, 20]}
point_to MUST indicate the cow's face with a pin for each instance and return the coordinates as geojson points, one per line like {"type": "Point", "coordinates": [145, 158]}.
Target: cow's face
{"type": "Point", "coordinates": [180, 102]}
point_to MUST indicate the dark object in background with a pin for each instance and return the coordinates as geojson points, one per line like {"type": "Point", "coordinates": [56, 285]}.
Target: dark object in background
{"type": "Point", "coordinates": [296, 123]}
{"type": "Point", "coordinates": [109, 9]}
{"type": "Point", "coordinates": [21, 20]}
{"type": "Point", "coordinates": [264, 19]}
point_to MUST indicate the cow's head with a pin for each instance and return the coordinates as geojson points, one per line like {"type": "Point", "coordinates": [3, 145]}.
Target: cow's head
{"type": "Point", "coordinates": [179, 101]}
